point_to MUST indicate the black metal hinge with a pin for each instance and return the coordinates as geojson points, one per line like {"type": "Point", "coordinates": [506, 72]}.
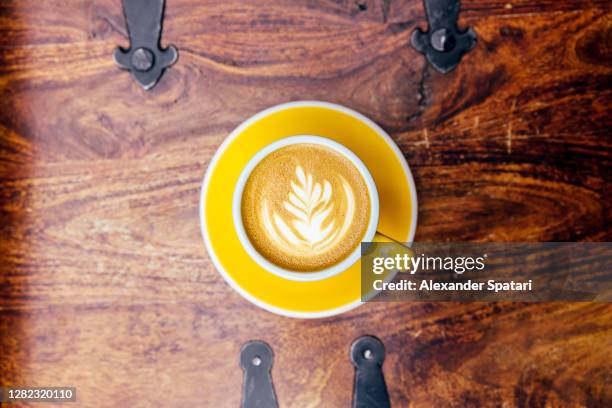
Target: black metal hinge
{"type": "Point", "coordinates": [256, 360]}
{"type": "Point", "coordinates": [145, 58]}
{"type": "Point", "coordinates": [370, 389]}
{"type": "Point", "coordinates": [443, 44]}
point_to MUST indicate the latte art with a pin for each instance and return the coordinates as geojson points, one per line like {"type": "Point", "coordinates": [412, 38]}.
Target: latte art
{"type": "Point", "coordinates": [310, 206]}
{"type": "Point", "coordinates": [305, 207]}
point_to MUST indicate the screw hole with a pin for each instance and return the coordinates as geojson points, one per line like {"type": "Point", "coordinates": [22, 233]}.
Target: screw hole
{"type": "Point", "coordinates": [367, 354]}
{"type": "Point", "coordinates": [256, 361]}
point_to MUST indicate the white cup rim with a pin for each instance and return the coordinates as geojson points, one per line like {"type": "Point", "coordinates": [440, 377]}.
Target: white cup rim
{"type": "Point", "coordinates": [260, 259]}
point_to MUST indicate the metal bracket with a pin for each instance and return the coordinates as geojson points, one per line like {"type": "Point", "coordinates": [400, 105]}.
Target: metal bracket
{"type": "Point", "coordinates": [256, 359]}
{"type": "Point", "coordinates": [443, 43]}
{"type": "Point", "coordinates": [370, 390]}
{"type": "Point", "coordinates": [145, 58]}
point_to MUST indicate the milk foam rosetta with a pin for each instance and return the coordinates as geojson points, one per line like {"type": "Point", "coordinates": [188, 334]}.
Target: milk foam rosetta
{"type": "Point", "coordinates": [305, 207]}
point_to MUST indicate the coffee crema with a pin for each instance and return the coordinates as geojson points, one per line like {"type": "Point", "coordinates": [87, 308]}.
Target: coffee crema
{"type": "Point", "coordinates": [305, 207]}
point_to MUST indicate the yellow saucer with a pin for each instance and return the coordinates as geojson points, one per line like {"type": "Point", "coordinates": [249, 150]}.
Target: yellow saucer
{"type": "Point", "coordinates": [397, 194]}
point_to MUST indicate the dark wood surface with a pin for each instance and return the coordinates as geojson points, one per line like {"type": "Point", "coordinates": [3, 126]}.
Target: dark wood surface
{"type": "Point", "coordinates": [104, 281]}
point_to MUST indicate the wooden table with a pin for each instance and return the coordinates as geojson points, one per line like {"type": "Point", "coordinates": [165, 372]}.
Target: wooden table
{"type": "Point", "coordinates": [104, 281]}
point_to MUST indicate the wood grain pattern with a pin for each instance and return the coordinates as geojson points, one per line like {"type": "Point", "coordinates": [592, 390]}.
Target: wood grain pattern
{"type": "Point", "coordinates": [104, 281]}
